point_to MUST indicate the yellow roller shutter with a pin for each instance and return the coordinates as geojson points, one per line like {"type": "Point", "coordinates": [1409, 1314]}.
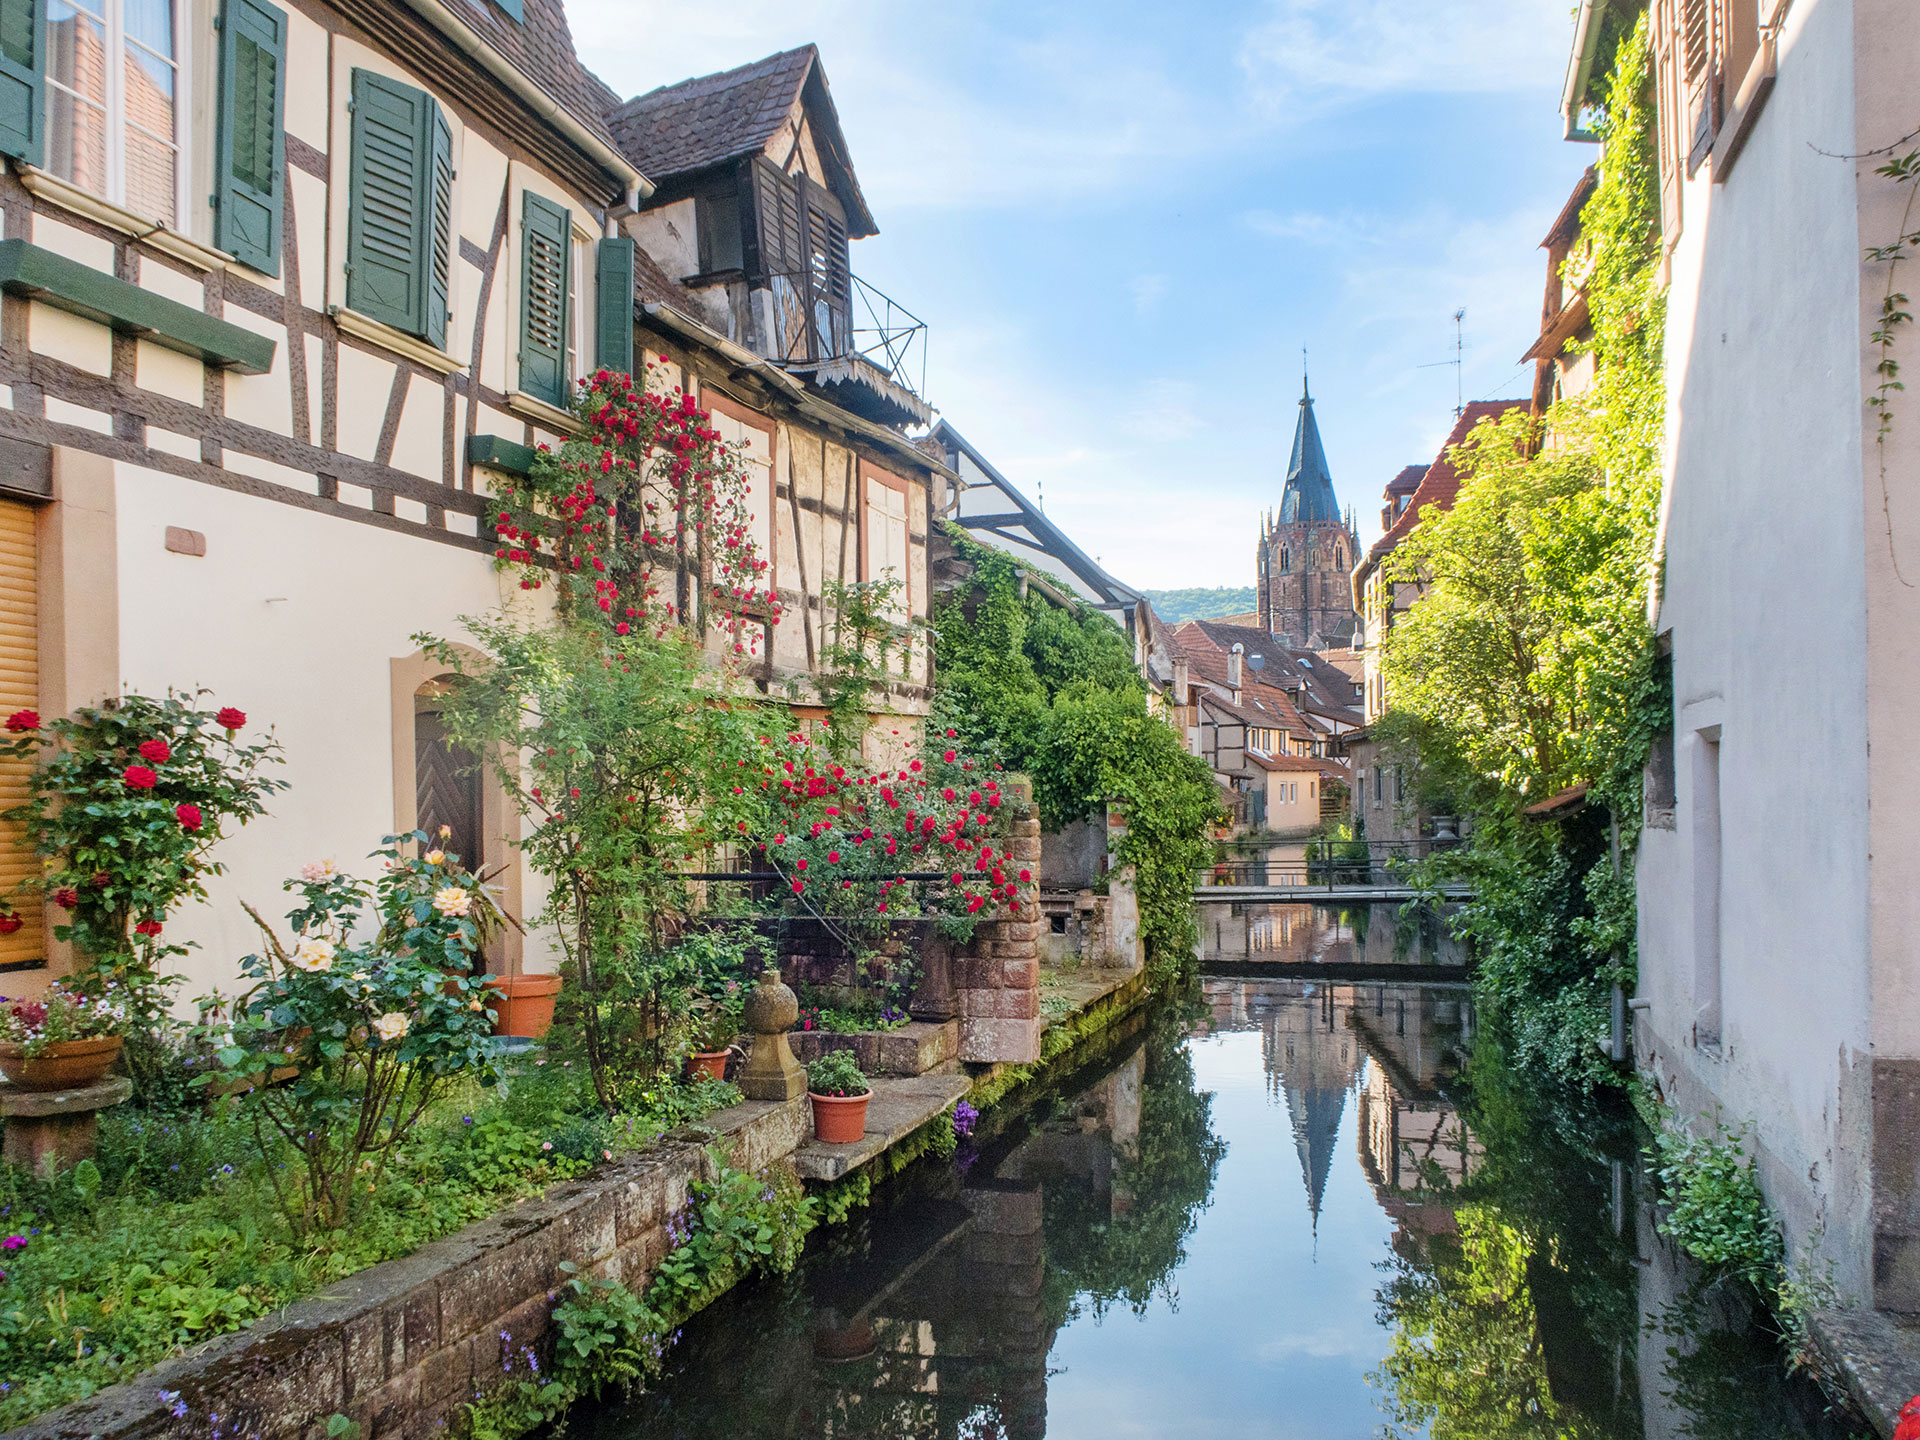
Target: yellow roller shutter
{"type": "Point", "coordinates": [19, 690]}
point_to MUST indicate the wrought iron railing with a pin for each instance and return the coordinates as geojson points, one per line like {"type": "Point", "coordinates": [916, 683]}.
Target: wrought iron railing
{"type": "Point", "coordinates": [817, 319]}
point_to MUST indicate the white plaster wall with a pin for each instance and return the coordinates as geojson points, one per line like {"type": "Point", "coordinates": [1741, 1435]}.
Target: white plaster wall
{"type": "Point", "coordinates": [670, 236]}
{"type": "Point", "coordinates": [293, 617]}
{"type": "Point", "coordinates": [1765, 599]}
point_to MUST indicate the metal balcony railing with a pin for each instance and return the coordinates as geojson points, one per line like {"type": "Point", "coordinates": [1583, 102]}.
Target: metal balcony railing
{"type": "Point", "coordinates": [819, 318]}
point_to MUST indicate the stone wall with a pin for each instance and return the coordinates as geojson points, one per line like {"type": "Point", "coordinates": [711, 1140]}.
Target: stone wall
{"type": "Point", "coordinates": [398, 1347]}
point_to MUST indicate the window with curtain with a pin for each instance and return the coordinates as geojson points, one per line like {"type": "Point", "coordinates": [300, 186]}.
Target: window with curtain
{"type": "Point", "coordinates": [113, 89]}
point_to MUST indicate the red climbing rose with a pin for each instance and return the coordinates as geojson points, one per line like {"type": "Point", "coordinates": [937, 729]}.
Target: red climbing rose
{"type": "Point", "coordinates": [189, 816]}
{"type": "Point", "coordinates": [139, 777]}
{"type": "Point", "coordinates": [21, 721]}
{"type": "Point", "coordinates": [66, 897]}
{"type": "Point", "coordinates": [231, 719]}
{"type": "Point", "coordinates": [157, 752]}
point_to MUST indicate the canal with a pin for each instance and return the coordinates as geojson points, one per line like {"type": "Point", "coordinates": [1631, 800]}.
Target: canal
{"type": "Point", "coordinates": [1284, 1208]}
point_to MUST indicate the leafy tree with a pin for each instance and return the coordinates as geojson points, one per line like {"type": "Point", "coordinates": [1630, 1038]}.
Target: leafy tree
{"type": "Point", "coordinates": [1528, 663]}
{"type": "Point", "coordinates": [631, 750]}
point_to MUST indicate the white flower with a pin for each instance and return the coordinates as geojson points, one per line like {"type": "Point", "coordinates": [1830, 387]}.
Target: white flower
{"type": "Point", "coordinates": [313, 956]}
{"type": "Point", "coordinates": [390, 1027]}
{"type": "Point", "coordinates": [452, 901]}
{"type": "Point", "coordinates": [316, 871]}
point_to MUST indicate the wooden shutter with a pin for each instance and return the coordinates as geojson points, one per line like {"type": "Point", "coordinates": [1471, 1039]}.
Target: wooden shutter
{"type": "Point", "coordinates": [391, 227]}
{"type": "Point", "coordinates": [1694, 37]}
{"type": "Point", "coordinates": [546, 242]}
{"type": "Point", "coordinates": [782, 248]}
{"type": "Point", "coordinates": [613, 305]}
{"type": "Point", "coordinates": [251, 162]}
{"type": "Point", "coordinates": [23, 74]}
{"type": "Point", "coordinates": [19, 690]}
{"type": "Point", "coordinates": [439, 227]}
{"type": "Point", "coordinates": [828, 272]}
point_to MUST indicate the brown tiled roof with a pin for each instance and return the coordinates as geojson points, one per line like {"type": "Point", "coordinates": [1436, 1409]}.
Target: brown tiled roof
{"type": "Point", "coordinates": [1407, 480]}
{"type": "Point", "coordinates": [688, 127]}
{"type": "Point", "coordinates": [1329, 689]}
{"type": "Point", "coordinates": [1297, 764]}
{"type": "Point", "coordinates": [541, 48]}
{"type": "Point", "coordinates": [1560, 804]}
{"type": "Point", "coordinates": [1441, 484]}
{"type": "Point", "coordinates": [1566, 224]}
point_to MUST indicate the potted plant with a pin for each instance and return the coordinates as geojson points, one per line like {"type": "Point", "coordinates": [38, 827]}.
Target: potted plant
{"type": "Point", "coordinates": [62, 1039]}
{"type": "Point", "coordinates": [522, 1005]}
{"type": "Point", "coordinates": [716, 1020]}
{"type": "Point", "coordinates": [839, 1093]}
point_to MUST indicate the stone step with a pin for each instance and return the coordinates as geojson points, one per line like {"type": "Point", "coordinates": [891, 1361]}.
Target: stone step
{"type": "Point", "coordinates": [898, 1108]}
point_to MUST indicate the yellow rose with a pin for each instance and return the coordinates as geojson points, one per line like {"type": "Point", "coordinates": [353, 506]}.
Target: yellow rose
{"type": "Point", "coordinates": [390, 1027]}
{"type": "Point", "coordinates": [452, 901]}
{"type": "Point", "coordinates": [313, 956]}
{"type": "Point", "coordinates": [435, 857]}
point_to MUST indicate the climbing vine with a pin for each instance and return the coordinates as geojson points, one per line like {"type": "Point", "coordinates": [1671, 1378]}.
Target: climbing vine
{"type": "Point", "coordinates": [648, 495]}
{"type": "Point", "coordinates": [1055, 693]}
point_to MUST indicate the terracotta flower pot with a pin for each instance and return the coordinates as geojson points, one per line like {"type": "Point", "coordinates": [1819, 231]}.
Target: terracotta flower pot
{"type": "Point", "coordinates": [839, 1119]}
{"type": "Point", "coordinates": [62, 1065]}
{"type": "Point", "coordinates": [522, 1004]}
{"type": "Point", "coordinates": [710, 1063]}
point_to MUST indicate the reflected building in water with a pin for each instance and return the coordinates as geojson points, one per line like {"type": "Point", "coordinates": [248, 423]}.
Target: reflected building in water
{"type": "Point", "coordinates": [1390, 1048]}
{"type": "Point", "coordinates": [1375, 934]}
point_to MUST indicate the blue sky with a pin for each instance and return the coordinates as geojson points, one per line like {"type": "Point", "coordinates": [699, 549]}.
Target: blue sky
{"type": "Point", "coordinates": [1122, 221]}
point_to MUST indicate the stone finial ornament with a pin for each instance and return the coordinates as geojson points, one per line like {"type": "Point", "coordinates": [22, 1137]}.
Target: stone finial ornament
{"type": "Point", "coordinates": [771, 1071]}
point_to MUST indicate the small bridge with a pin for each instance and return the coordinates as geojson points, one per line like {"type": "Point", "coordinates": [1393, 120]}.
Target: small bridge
{"type": "Point", "coordinates": [1323, 894]}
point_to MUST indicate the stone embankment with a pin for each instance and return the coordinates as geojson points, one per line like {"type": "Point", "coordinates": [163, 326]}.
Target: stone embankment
{"type": "Point", "coordinates": [401, 1346]}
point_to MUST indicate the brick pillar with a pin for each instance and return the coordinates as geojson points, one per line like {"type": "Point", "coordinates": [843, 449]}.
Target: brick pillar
{"type": "Point", "coordinates": [996, 976]}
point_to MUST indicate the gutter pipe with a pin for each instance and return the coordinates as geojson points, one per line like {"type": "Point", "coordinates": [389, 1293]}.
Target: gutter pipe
{"type": "Point", "coordinates": [635, 186]}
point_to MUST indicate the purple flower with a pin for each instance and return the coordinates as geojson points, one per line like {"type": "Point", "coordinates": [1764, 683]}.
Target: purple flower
{"type": "Point", "coordinates": [14, 1242]}
{"type": "Point", "coordinates": [965, 1117]}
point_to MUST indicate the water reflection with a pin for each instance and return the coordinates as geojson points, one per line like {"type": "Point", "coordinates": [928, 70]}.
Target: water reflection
{"type": "Point", "coordinates": [1325, 935]}
{"type": "Point", "coordinates": [1291, 1209]}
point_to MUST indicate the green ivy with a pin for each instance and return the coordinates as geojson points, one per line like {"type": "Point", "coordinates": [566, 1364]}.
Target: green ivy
{"type": "Point", "coordinates": [1055, 694]}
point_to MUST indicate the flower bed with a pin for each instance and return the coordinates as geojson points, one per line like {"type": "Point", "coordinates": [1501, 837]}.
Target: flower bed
{"type": "Point", "coordinates": [174, 1234]}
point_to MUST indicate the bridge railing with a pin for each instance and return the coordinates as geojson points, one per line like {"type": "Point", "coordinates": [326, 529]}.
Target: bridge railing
{"type": "Point", "coordinates": [1324, 866]}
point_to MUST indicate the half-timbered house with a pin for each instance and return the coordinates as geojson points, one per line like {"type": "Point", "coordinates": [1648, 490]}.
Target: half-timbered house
{"type": "Point", "coordinates": [288, 286]}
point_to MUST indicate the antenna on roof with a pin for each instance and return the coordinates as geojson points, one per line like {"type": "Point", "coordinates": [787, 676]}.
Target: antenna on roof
{"type": "Point", "coordinates": [1458, 362]}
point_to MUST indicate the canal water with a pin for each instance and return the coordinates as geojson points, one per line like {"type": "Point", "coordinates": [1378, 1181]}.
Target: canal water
{"type": "Point", "coordinates": [1282, 1208]}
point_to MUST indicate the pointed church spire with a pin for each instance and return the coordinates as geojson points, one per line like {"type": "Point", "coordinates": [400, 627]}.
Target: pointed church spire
{"type": "Point", "coordinates": [1309, 490]}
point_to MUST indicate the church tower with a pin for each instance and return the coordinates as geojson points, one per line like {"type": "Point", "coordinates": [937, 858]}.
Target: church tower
{"type": "Point", "coordinates": [1307, 551]}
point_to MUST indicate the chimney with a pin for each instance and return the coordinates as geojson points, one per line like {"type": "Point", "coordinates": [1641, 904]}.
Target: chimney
{"type": "Point", "coordinates": [1182, 680]}
{"type": "Point", "coordinates": [1234, 658]}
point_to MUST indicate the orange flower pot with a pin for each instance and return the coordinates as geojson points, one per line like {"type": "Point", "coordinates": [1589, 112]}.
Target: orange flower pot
{"type": "Point", "coordinates": [62, 1065]}
{"type": "Point", "coordinates": [839, 1119]}
{"type": "Point", "coordinates": [709, 1063]}
{"type": "Point", "coordinates": [522, 1005]}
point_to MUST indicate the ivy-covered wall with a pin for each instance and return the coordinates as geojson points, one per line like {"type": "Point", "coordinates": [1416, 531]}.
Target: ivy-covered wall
{"type": "Point", "coordinates": [1055, 693]}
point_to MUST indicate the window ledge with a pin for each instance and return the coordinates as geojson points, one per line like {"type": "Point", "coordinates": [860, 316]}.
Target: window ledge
{"type": "Point", "coordinates": [541, 413]}
{"type": "Point", "coordinates": [55, 191]}
{"type": "Point", "coordinates": [495, 452]}
{"type": "Point", "coordinates": [1748, 102]}
{"type": "Point", "coordinates": [40, 274]}
{"type": "Point", "coordinates": [398, 341]}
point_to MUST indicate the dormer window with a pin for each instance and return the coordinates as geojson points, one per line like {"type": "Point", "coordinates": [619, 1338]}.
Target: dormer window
{"type": "Point", "coordinates": [113, 79]}
{"type": "Point", "coordinates": [803, 255]}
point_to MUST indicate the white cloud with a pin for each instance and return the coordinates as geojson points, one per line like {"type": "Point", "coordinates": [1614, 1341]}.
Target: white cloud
{"type": "Point", "coordinates": [1319, 50]}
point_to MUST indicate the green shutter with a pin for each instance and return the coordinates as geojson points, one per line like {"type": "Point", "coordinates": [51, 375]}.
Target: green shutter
{"type": "Point", "coordinates": [396, 243]}
{"type": "Point", "coordinates": [252, 154]}
{"type": "Point", "coordinates": [23, 73]}
{"type": "Point", "coordinates": [440, 229]}
{"type": "Point", "coordinates": [613, 305]}
{"type": "Point", "coordinates": [546, 236]}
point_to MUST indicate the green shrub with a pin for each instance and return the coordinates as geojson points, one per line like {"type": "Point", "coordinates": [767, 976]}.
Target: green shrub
{"type": "Point", "coordinates": [836, 1073]}
{"type": "Point", "coordinates": [1715, 1210]}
